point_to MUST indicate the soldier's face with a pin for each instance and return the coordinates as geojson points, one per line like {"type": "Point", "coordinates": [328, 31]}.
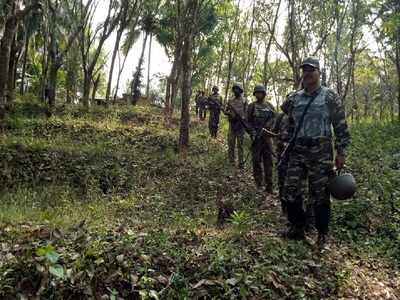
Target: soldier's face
{"type": "Point", "coordinates": [259, 96]}
{"type": "Point", "coordinates": [236, 91]}
{"type": "Point", "coordinates": [310, 75]}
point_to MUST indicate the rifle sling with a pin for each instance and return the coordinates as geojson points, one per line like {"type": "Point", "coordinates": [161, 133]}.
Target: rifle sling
{"type": "Point", "coordinates": [303, 115]}
{"type": "Point", "coordinates": [301, 121]}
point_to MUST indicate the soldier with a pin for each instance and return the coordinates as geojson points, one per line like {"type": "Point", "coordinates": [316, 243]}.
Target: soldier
{"type": "Point", "coordinates": [202, 106]}
{"type": "Point", "coordinates": [197, 101]}
{"type": "Point", "coordinates": [260, 115]}
{"type": "Point", "coordinates": [214, 104]}
{"type": "Point", "coordinates": [314, 112]}
{"type": "Point", "coordinates": [281, 128]}
{"type": "Point", "coordinates": [236, 108]}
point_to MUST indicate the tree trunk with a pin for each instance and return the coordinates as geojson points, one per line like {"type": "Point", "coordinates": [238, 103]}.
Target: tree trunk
{"type": "Point", "coordinates": [397, 57]}
{"type": "Point", "coordinates": [221, 59]}
{"type": "Point", "coordinates": [187, 69]}
{"type": "Point", "coordinates": [24, 61]}
{"type": "Point", "coordinates": [71, 77]}
{"type": "Point", "coordinates": [11, 74]}
{"type": "Point", "coordinates": [121, 68]}
{"type": "Point", "coordinates": [45, 66]}
{"type": "Point", "coordinates": [230, 52]}
{"type": "Point", "coordinates": [186, 93]}
{"type": "Point", "coordinates": [148, 67]}
{"type": "Point", "coordinates": [114, 55]}
{"type": "Point", "coordinates": [95, 86]}
{"type": "Point", "coordinates": [268, 45]}
{"type": "Point", "coordinates": [136, 79]}
{"type": "Point", "coordinates": [230, 65]}
{"type": "Point", "coordinates": [5, 51]}
{"type": "Point", "coordinates": [171, 89]}
{"type": "Point", "coordinates": [52, 85]}
{"type": "Point", "coordinates": [175, 84]}
{"type": "Point", "coordinates": [86, 89]}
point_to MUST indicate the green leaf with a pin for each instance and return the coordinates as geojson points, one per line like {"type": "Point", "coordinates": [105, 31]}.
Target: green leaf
{"type": "Point", "coordinates": [57, 271]}
{"type": "Point", "coordinates": [52, 256]}
{"type": "Point", "coordinates": [43, 251]}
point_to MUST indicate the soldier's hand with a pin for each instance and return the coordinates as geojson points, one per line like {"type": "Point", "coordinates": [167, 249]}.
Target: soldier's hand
{"type": "Point", "coordinates": [340, 161]}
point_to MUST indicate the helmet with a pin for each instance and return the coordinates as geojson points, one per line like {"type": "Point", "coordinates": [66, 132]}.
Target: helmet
{"type": "Point", "coordinates": [342, 186]}
{"type": "Point", "coordinates": [237, 85]}
{"type": "Point", "coordinates": [259, 89]}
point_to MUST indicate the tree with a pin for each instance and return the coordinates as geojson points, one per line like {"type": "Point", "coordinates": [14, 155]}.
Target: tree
{"type": "Point", "coordinates": [90, 51]}
{"type": "Point", "coordinates": [149, 21]}
{"type": "Point", "coordinates": [389, 13]}
{"type": "Point", "coordinates": [129, 17]}
{"type": "Point", "coordinates": [58, 11]}
{"type": "Point", "coordinates": [13, 16]}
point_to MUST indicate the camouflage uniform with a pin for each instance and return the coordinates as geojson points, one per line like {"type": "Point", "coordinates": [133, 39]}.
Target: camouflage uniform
{"type": "Point", "coordinates": [202, 100]}
{"type": "Point", "coordinates": [281, 128]}
{"type": "Point", "coordinates": [261, 115]}
{"type": "Point", "coordinates": [197, 101]}
{"type": "Point", "coordinates": [214, 104]}
{"type": "Point", "coordinates": [236, 130]}
{"type": "Point", "coordinates": [312, 156]}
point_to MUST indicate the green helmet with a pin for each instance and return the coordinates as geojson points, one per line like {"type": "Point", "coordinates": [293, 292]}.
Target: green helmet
{"type": "Point", "coordinates": [343, 186]}
{"type": "Point", "coordinates": [237, 85]}
{"type": "Point", "coordinates": [259, 89]}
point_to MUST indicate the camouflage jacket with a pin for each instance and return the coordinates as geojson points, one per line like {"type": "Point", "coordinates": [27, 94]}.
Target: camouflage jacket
{"type": "Point", "coordinates": [260, 115]}
{"type": "Point", "coordinates": [325, 113]}
{"type": "Point", "coordinates": [236, 104]}
{"type": "Point", "coordinates": [214, 102]}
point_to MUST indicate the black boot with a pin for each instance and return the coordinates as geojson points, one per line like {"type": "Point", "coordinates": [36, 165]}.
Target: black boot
{"type": "Point", "coordinates": [322, 241]}
{"type": "Point", "coordinates": [295, 233]}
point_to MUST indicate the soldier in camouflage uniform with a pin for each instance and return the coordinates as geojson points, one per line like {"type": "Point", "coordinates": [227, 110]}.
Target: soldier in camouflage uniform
{"type": "Point", "coordinates": [281, 128]}
{"type": "Point", "coordinates": [197, 102]}
{"type": "Point", "coordinates": [214, 104]}
{"type": "Point", "coordinates": [202, 100]}
{"type": "Point", "coordinates": [260, 115]}
{"type": "Point", "coordinates": [312, 156]}
{"type": "Point", "coordinates": [236, 108]}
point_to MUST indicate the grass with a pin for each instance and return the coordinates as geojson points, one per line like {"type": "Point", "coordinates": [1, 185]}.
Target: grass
{"type": "Point", "coordinates": [98, 205]}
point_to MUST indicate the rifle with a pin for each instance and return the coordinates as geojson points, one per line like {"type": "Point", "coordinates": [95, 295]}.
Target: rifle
{"type": "Point", "coordinates": [212, 101]}
{"type": "Point", "coordinates": [249, 130]}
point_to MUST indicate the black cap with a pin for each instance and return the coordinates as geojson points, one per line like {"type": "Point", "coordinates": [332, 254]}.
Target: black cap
{"type": "Point", "coordinates": [310, 61]}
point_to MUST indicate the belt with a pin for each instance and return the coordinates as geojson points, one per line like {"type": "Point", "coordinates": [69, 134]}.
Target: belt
{"type": "Point", "coordinates": [311, 142]}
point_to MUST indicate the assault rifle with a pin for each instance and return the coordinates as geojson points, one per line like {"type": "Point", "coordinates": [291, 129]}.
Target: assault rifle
{"type": "Point", "coordinates": [249, 130]}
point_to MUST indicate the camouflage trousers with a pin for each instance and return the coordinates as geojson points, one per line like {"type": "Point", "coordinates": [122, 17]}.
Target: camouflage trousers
{"type": "Point", "coordinates": [282, 170]}
{"type": "Point", "coordinates": [312, 165]}
{"type": "Point", "coordinates": [308, 205]}
{"type": "Point", "coordinates": [202, 113]}
{"type": "Point", "coordinates": [261, 152]}
{"type": "Point", "coordinates": [213, 123]}
{"type": "Point", "coordinates": [235, 138]}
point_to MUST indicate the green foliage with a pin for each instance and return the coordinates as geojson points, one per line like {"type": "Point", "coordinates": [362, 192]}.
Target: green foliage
{"type": "Point", "coordinates": [241, 222]}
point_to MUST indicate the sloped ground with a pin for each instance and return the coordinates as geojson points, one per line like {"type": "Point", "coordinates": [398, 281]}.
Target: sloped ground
{"type": "Point", "coordinates": [97, 205]}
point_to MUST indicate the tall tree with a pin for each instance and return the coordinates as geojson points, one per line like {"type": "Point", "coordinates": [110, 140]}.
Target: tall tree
{"type": "Point", "coordinates": [129, 16]}
{"type": "Point", "coordinates": [58, 11]}
{"type": "Point", "coordinates": [149, 24]}
{"type": "Point", "coordinates": [188, 21]}
{"type": "Point", "coordinates": [13, 15]}
{"type": "Point", "coordinates": [90, 50]}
